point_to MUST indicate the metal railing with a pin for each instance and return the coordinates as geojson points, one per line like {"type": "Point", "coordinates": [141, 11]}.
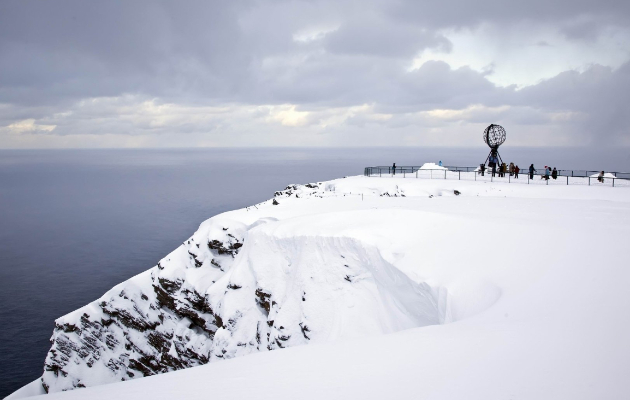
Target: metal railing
{"type": "Point", "coordinates": [564, 177]}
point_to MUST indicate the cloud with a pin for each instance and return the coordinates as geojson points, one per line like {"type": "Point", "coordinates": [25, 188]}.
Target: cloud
{"type": "Point", "coordinates": [375, 36]}
{"type": "Point", "coordinates": [596, 102]}
{"type": "Point", "coordinates": [198, 73]}
{"type": "Point", "coordinates": [28, 126]}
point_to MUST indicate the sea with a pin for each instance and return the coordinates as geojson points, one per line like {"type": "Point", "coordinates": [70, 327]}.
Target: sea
{"type": "Point", "coordinates": [74, 223]}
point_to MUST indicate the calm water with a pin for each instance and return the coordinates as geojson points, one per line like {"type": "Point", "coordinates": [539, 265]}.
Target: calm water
{"type": "Point", "coordinates": [74, 223]}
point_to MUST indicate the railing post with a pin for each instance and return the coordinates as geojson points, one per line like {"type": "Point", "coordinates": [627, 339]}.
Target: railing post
{"type": "Point", "coordinates": [567, 180]}
{"type": "Point", "coordinates": [613, 182]}
{"type": "Point", "coordinates": [416, 174]}
{"type": "Point", "coordinates": [459, 175]}
{"type": "Point", "coordinates": [431, 174]}
{"type": "Point", "coordinates": [589, 181]}
{"type": "Point", "coordinates": [444, 174]}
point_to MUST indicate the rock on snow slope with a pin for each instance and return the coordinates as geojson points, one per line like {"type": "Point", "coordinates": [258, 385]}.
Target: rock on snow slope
{"type": "Point", "coordinates": [532, 275]}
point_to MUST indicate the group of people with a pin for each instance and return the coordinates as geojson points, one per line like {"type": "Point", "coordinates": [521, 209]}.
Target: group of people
{"type": "Point", "coordinates": [548, 172]}
{"type": "Point", "coordinates": [512, 169]}
{"type": "Point", "coordinates": [553, 173]}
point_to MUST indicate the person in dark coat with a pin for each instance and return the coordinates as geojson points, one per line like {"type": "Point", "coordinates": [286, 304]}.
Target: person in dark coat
{"type": "Point", "coordinates": [482, 168]}
{"type": "Point", "coordinates": [394, 169]}
{"type": "Point", "coordinates": [554, 173]}
{"type": "Point", "coordinates": [516, 170]}
{"type": "Point", "coordinates": [531, 171]}
{"type": "Point", "coordinates": [600, 177]}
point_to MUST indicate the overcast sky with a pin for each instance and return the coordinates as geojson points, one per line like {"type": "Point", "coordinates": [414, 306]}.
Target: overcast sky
{"type": "Point", "coordinates": [313, 73]}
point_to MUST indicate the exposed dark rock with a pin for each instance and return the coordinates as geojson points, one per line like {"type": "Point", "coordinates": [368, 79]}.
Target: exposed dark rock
{"type": "Point", "coordinates": [304, 329]}
{"type": "Point", "coordinates": [218, 321]}
{"type": "Point", "coordinates": [138, 366]}
{"type": "Point", "coordinates": [67, 328]}
{"type": "Point", "coordinates": [127, 319]}
{"type": "Point", "coordinates": [263, 300]}
{"type": "Point", "coordinates": [164, 298]}
{"type": "Point", "coordinates": [170, 286]}
{"type": "Point", "coordinates": [198, 263]}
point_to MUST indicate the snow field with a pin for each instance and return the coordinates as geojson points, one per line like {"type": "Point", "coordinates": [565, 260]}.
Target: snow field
{"type": "Point", "coordinates": [505, 291]}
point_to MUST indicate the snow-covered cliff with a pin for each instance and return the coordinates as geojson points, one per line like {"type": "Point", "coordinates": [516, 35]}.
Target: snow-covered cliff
{"type": "Point", "coordinates": [236, 287]}
{"type": "Point", "coordinates": [413, 288]}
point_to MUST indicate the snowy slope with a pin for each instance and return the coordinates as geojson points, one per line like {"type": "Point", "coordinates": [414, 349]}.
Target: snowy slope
{"type": "Point", "coordinates": [400, 288]}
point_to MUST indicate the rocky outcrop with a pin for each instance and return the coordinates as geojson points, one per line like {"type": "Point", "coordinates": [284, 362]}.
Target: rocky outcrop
{"type": "Point", "coordinates": [156, 322]}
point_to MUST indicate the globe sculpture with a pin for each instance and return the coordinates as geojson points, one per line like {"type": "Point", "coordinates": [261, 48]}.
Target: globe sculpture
{"type": "Point", "coordinates": [494, 136]}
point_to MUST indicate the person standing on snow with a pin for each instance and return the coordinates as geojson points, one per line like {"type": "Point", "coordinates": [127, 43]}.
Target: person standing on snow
{"type": "Point", "coordinates": [600, 177]}
{"type": "Point", "coordinates": [531, 171]}
{"type": "Point", "coordinates": [554, 173]}
{"type": "Point", "coordinates": [511, 169]}
{"type": "Point", "coordinates": [547, 172]}
{"type": "Point", "coordinates": [482, 168]}
{"type": "Point", "coordinates": [394, 169]}
{"type": "Point", "coordinates": [516, 170]}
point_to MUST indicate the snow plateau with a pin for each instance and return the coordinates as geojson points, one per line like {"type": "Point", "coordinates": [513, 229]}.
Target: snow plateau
{"type": "Point", "coordinates": [404, 288]}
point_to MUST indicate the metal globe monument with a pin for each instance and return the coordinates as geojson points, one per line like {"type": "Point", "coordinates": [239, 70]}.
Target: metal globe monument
{"type": "Point", "coordinates": [494, 136]}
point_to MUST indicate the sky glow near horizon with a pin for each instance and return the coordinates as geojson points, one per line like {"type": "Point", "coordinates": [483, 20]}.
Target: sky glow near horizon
{"type": "Point", "coordinates": [313, 73]}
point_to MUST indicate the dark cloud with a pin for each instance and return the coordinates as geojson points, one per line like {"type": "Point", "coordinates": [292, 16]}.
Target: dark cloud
{"type": "Point", "coordinates": [52, 51]}
{"type": "Point", "coordinates": [599, 96]}
{"type": "Point", "coordinates": [449, 13]}
{"type": "Point", "coordinates": [381, 37]}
